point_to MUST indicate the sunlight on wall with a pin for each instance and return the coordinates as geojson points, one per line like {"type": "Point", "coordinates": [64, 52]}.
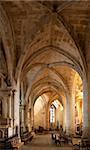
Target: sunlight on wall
{"type": "Point", "coordinates": [40, 112]}
{"type": "Point", "coordinates": [39, 104]}
{"type": "Point", "coordinates": [78, 101]}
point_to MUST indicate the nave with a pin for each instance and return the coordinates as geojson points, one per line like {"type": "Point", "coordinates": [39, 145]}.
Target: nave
{"type": "Point", "coordinates": [44, 142]}
{"type": "Point", "coordinates": [44, 71]}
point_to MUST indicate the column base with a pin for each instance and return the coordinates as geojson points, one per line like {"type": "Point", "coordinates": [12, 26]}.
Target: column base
{"type": "Point", "coordinates": [86, 133]}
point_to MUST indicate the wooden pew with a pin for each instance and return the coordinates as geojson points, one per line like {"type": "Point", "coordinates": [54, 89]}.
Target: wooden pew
{"type": "Point", "coordinates": [26, 137]}
{"type": "Point", "coordinates": [85, 143]}
{"type": "Point", "coordinates": [13, 143]}
{"type": "Point", "coordinates": [61, 138]}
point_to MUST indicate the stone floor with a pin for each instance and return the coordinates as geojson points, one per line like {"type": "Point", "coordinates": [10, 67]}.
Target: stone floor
{"type": "Point", "coordinates": [44, 142]}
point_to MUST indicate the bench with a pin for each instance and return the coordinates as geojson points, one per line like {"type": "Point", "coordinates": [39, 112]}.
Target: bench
{"type": "Point", "coordinates": [85, 143]}
{"type": "Point", "coordinates": [76, 143]}
{"type": "Point", "coordinates": [57, 138]}
{"type": "Point", "coordinates": [61, 138]}
{"type": "Point", "coordinates": [13, 143]}
{"type": "Point", "coordinates": [66, 139]}
{"type": "Point", "coordinates": [26, 137]}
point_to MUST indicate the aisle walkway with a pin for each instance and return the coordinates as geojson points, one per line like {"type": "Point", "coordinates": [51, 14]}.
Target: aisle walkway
{"type": "Point", "coordinates": [44, 142]}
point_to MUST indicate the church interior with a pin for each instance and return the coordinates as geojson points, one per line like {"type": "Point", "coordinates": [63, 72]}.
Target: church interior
{"type": "Point", "coordinates": [44, 69]}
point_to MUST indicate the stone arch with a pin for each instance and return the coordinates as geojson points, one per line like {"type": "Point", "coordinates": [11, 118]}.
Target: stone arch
{"type": "Point", "coordinates": [54, 72]}
{"type": "Point", "coordinates": [55, 87]}
{"type": "Point", "coordinates": [7, 38]}
{"type": "Point", "coordinates": [27, 49]}
{"type": "Point", "coordinates": [71, 61]}
{"type": "Point", "coordinates": [45, 91]}
{"type": "Point", "coordinates": [58, 92]}
{"type": "Point", "coordinates": [58, 63]}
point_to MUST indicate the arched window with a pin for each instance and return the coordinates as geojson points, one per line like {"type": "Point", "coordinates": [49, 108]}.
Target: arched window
{"type": "Point", "coordinates": [52, 114]}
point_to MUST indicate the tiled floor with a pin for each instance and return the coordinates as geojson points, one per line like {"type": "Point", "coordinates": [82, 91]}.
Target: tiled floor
{"type": "Point", "coordinates": [44, 142]}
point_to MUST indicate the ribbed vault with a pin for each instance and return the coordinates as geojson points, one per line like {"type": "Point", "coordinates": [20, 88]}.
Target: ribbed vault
{"type": "Point", "coordinates": [43, 48]}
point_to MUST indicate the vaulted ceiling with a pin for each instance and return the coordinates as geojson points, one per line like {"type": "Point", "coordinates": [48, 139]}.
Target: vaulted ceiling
{"type": "Point", "coordinates": [46, 41]}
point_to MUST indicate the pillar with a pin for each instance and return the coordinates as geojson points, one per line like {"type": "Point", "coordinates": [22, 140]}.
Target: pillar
{"type": "Point", "coordinates": [10, 98]}
{"type": "Point", "coordinates": [10, 114]}
{"type": "Point", "coordinates": [12, 110]}
{"type": "Point", "coordinates": [86, 90]}
{"type": "Point", "coordinates": [5, 107]}
{"type": "Point", "coordinates": [22, 111]}
{"type": "Point", "coordinates": [16, 94]}
{"type": "Point", "coordinates": [33, 117]}
{"type": "Point", "coordinates": [73, 110]}
{"type": "Point", "coordinates": [22, 107]}
{"type": "Point", "coordinates": [68, 128]}
{"type": "Point", "coordinates": [47, 117]}
{"type": "Point", "coordinates": [86, 109]}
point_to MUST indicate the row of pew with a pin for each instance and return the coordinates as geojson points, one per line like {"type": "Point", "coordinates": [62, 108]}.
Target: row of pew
{"type": "Point", "coordinates": [26, 137]}
{"type": "Point", "coordinates": [15, 142]}
{"type": "Point", "coordinates": [59, 139]}
{"type": "Point", "coordinates": [83, 144]}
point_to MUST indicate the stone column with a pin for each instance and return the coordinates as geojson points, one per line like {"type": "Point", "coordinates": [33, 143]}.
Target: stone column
{"type": "Point", "coordinates": [68, 115]}
{"type": "Point", "coordinates": [47, 117]}
{"type": "Point", "coordinates": [86, 109]}
{"type": "Point", "coordinates": [5, 107]}
{"type": "Point", "coordinates": [22, 124]}
{"type": "Point", "coordinates": [17, 109]}
{"type": "Point", "coordinates": [9, 99]}
{"type": "Point", "coordinates": [88, 82]}
{"type": "Point", "coordinates": [10, 114]}
{"type": "Point", "coordinates": [9, 109]}
{"type": "Point", "coordinates": [32, 116]}
{"type": "Point", "coordinates": [29, 120]}
{"type": "Point", "coordinates": [22, 107]}
{"type": "Point", "coordinates": [73, 110]}
{"type": "Point", "coordinates": [85, 112]}
{"type": "Point", "coordinates": [86, 90]}
{"type": "Point", "coordinates": [12, 110]}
